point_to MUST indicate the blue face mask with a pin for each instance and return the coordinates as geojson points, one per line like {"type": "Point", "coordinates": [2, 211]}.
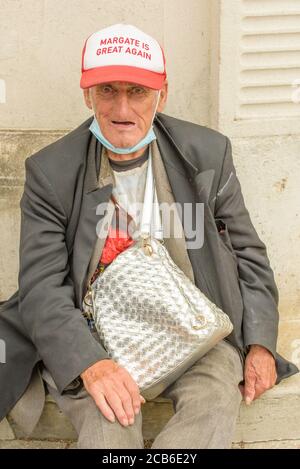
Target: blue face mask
{"type": "Point", "coordinates": [95, 129]}
{"type": "Point", "coordinates": [149, 137]}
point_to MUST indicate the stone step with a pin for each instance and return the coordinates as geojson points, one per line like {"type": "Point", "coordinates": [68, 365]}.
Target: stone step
{"type": "Point", "coordinates": [272, 419]}
{"type": "Point", "coordinates": [64, 444]}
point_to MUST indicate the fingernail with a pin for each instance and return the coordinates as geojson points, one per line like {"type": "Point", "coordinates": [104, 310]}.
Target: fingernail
{"type": "Point", "coordinates": [131, 421]}
{"type": "Point", "coordinates": [112, 419]}
{"type": "Point", "coordinates": [136, 410]}
{"type": "Point", "coordinates": [248, 400]}
{"type": "Point", "coordinates": [125, 422]}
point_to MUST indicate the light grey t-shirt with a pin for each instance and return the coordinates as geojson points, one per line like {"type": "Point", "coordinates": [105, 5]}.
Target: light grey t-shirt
{"type": "Point", "coordinates": [130, 181]}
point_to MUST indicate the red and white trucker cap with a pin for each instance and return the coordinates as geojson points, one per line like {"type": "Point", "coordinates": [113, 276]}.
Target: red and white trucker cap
{"type": "Point", "coordinates": [122, 53]}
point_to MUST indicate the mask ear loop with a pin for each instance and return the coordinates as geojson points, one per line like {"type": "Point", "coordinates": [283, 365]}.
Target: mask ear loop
{"type": "Point", "coordinates": [94, 111]}
{"type": "Point", "coordinates": [156, 106]}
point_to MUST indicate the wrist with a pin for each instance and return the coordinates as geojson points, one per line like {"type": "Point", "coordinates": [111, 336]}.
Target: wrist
{"type": "Point", "coordinates": [259, 348]}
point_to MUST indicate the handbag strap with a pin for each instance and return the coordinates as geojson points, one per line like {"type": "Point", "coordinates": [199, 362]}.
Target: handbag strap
{"type": "Point", "coordinates": [149, 195]}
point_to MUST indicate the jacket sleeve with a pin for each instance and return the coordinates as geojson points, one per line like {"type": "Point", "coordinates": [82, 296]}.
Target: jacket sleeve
{"type": "Point", "coordinates": [46, 292]}
{"type": "Point", "coordinates": [256, 278]}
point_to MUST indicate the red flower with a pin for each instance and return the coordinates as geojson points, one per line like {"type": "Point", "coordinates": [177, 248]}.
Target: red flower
{"type": "Point", "coordinates": [116, 242]}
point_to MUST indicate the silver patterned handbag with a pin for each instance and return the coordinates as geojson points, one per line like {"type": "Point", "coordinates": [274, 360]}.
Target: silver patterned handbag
{"type": "Point", "coordinates": [150, 317]}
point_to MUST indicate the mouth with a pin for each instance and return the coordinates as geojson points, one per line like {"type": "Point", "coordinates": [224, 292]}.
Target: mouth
{"type": "Point", "coordinates": [123, 124]}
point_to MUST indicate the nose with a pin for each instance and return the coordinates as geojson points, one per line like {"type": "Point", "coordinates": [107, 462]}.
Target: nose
{"type": "Point", "coordinates": [121, 105]}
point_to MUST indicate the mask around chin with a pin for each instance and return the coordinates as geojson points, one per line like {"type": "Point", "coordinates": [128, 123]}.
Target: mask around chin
{"type": "Point", "coordinates": [96, 131]}
{"type": "Point", "coordinates": [149, 137]}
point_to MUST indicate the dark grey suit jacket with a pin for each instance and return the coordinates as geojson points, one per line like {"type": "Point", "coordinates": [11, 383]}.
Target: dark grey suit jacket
{"type": "Point", "coordinates": [43, 320]}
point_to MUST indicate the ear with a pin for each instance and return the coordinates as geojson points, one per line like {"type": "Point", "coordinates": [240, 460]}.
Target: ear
{"type": "Point", "coordinates": [163, 97]}
{"type": "Point", "coordinates": [87, 98]}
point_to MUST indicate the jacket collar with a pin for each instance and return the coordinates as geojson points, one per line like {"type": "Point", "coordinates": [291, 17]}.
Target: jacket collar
{"type": "Point", "coordinates": [181, 170]}
{"type": "Point", "coordinates": [92, 165]}
{"type": "Point", "coordinates": [170, 151]}
{"type": "Point", "coordinates": [178, 165]}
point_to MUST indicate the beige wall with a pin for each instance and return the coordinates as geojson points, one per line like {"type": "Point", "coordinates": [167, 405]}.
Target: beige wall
{"type": "Point", "coordinates": [257, 103]}
{"type": "Point", "coordinates": [224, 71]}
{"type": "Point", "coordinates": [40, 55]}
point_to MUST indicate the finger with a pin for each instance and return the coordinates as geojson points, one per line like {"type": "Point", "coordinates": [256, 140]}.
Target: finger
{"type": "Point", "coordinates": [249, 389]}
{"type": "Point", "coordinates": [127, 403]}
{"type": "Point", "coordinates": [134, 392]}
{"type": "Point", "coordinates": [115, 402]}
{"type": "Point", "coordinates": [259, 390]}
{"type": "Point", "coordinates": [104, 408]}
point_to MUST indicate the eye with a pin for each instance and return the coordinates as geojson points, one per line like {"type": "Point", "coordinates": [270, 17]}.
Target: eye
{"type": "Point", "coordinates": [106, 90]}
{"type": "Point", "coordinates": [138, 90]}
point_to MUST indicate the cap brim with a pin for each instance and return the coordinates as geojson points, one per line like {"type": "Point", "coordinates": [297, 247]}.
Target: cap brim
{"type": "Point", "coordinates": [143, 77]}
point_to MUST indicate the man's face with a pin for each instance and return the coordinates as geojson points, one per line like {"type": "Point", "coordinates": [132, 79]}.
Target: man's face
{"type": "Point", "coordinates": [124, 111]}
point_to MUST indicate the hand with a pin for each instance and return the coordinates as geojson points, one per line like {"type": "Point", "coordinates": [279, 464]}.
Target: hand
{"type": "Point", "coordinates": [260, 373]}
{"type": "Point", "coordinates": [113, 390]}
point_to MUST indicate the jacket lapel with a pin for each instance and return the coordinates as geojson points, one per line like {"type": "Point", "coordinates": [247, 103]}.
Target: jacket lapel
{"type": "Point", "coordinates": [183, 175]}
{"type": "Point", "coordinates": [89, 219]}
{"type": "Point", "coordinates": [190, 186]}
{"type": "Point", "coordinates": [105, 178]}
